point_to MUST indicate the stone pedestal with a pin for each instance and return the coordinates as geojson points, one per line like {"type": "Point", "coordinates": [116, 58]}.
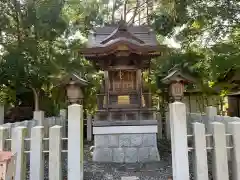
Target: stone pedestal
{"type": "Point", "coordinates": [125, 144]}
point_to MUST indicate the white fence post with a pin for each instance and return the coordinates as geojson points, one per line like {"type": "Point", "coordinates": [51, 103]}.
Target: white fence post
{"type": "Point", "coordinates": [75, 142]}
{"type": "Point", "coordinates": [55, 153]}
{"type": "Point", "coordinates": [89, 127]}
{"type": "Point", "coordinates": [3, 137]}
{"type": "Point", "coordinates": [17, 146]}
{"type": "Point", "coordinates": [39, 116]}
{"type": "Point", "coordinates": [211, 112]}
{"type": "Point", "coordinates": [8, 127]}
{"type": "Point", "coordinates": [159, 121]}
{"type": "Point", "coordinates": [200, 152]}
{"type": "Point", "coordinates": [63, 113]}
{"type": "Point", "coordinates": [167, 125]}
{"type": "Point", "coordinates": [220, 161]}
{"type": "Point", "coordinates": [36, 155]}
{"type": "Point", "coordinates": [63, 116]}
{"type": "Point", "coordinates": [234, 129]}
{"type": "Point", "coordinates": [1, 114]}
{"type": "Point", "coordinates": [180, 164]}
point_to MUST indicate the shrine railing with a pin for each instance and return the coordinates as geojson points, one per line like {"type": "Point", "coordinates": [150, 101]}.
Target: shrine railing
{"type": "Point", "coordinates": [124, 115]}
{"type": "Point", "coordinates": [133, 100]}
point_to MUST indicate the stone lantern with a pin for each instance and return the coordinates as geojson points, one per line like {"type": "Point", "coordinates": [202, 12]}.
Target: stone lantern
{"type": "Point", "coordinates": [176, 81]}
{"type": "Point", "coordinates": [74, 86]}
{"type": "Point", "coordinates": [74, 93]}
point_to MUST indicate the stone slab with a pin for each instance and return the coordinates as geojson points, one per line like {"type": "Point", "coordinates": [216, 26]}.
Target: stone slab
{"type": "Point", "coordinates": [126, 148]}
{"type": "Point", "coordinates": [131, 155]}
{"type": "Point", "coordinates": [103, 155]}
{"type": "Point", "coordinates": [101, 141]}
{"type": "Point", "coordinates": [125, 129]}
{"type": "Point", "coordinates": [136, 140]}
{"type": "Point", "coordinates": [129, 178]}
{"type": "Point", "coordinates": [124, 140]}
{"type": "Point", "coordinates": [113, 140]}
{"type": "Point", "coordinates": [124, 123]}
{"type": "Point", "coordinates": [143, 154]}
{"type": "Point", "coordinates": [118, 155]}
{"type": "Point", "coordinates": [153, 154]}
{"type": "Point", "coordinates": [149, 140]}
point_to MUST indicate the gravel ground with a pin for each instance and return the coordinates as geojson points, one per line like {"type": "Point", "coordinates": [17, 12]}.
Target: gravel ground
{"type": "Point", "coordinates": [114, 171]}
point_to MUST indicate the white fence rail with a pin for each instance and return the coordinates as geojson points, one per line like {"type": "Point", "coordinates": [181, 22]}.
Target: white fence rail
{"type": "Point", "coordinates": [40, 120]}
{"type": "Point", "coordinates": [207, 118]}
{"type": "Point", "coordinates": [208, 138]}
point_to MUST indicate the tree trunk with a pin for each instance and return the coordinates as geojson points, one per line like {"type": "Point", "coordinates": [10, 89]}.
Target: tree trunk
{"type": "Point", "coordinates": [36, 99]}
{"type": "Point", "coordinates": [132, 19]}
{"type": "Point", "coordinates": [113, 11]}
{"type": "Point", "coordinates": [17, 19]}
{"type": "Point", "coordinates": [125, 10]}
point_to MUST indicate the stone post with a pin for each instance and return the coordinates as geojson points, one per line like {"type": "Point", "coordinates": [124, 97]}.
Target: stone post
{"type": "Point", "coordinates": [89, 127]}
{"type": "Point", "coordinates": [200, 152]}
{"type": "Point", "coordinates": [1, 114]}
{"type": "Point", "coordinates": [55, 153]}
{"type": "Point", "coordinates": [180, 164]}
{"type": "Point", "coordinates": [63, 116]}
{"type": "Point", "coordinates": [63, 113]}
{"type": "Point", "coordinates": [234, 129]}
{"type": "Point", "coordinates": [167, 126]}
{"type": "Point", "coordinates": [17, 146]}
{"type": "Point", "coordinates": [159, 121]}
{"type": "Point", "coordinates": [211, 112]}
{"type": "Point", "coordinates": [39, 117]}
{"type": "Point", "coordinates": [36, 155]}
{"type": "Point", "coordinates": [220, 161]}
{"type": "Point", "coordinates": [75, 142]}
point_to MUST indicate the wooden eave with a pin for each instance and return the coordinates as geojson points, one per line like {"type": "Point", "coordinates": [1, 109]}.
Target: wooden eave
{"type": "Point", "coordinates": [66, 79]}
{"type": "Point", "coordinates": [121, 33]}
{"type": "Point", "coordinates": [123, 46]}
{"type": "Point", "coordinates": [99, 62]}
{"type": "Point", "coordinates": [177, 74]}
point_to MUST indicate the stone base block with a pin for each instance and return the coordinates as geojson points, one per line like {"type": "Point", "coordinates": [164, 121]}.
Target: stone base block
{"type": "Point", "coordinates": [125, 148]}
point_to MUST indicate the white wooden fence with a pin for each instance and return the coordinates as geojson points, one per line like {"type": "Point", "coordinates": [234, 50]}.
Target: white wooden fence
{"type": "Point", "coordinates": [39, 119]}
{"type": "Point", "coordinates": [217, 134]}
{"type": "Point", "coordinates": [17, 140]}
{"type": "Point", "coordinates": [205, 118]}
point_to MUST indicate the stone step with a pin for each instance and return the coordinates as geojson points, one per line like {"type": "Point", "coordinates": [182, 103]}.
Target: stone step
{"type": "Point", "coordinates": [129, 178]}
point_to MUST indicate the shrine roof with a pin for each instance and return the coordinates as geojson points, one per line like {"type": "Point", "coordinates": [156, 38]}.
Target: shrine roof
{"type": "Point", "coordinates": [72, 77]}
{"type": "Point", "coordinates": [140, 35]}
{"type": "Point", "coordinates": [176, 75]}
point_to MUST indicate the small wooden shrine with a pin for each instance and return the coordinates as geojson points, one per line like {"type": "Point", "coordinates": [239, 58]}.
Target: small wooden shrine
{"type": "Point", "coordinates": [123, 52]}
